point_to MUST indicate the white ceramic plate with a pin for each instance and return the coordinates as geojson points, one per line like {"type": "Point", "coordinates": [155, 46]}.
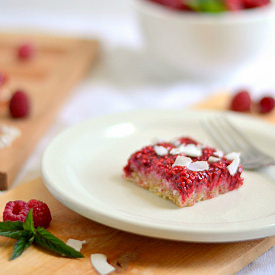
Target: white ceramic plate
{"type": "Point", "coordinates": [82, 168]}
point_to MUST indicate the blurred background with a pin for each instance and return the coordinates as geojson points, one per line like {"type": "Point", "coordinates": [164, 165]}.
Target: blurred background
{"type": "Point", "coordinates": [126, 76]}
{"type": "Point", "coordinates": [125, 61]}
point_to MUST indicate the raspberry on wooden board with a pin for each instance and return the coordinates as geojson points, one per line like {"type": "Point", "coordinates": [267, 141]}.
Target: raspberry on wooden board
{"type": "Point", "coordinates": [19, 105]}
{"type": "Point", "coordinates": [15, 211]}
{"type": "Point", "coordinates": [26, 51]}
{"type": "Point", "coordinates": [266, 104]}
{"type": "Point", "coordinates": [41, 213]}
{"type": "Point", "coordinates": [18, 211]}
{"type": "Point", "coordinates": [241, 101]}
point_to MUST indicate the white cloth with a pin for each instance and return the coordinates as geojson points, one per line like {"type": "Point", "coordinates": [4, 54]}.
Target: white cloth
{"type": "Point", "coordinates": [125, 77]}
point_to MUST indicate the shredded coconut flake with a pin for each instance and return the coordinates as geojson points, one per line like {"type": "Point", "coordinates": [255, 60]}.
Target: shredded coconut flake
{"type": "Point", "coordinates": [99, 262]}
{"type": "Point", "coordinates": [213, 159]}
{"type": "Point", "coordinates": [190, 150]}
{"type": "Point", "coordinates": [76, 244]}
{"type": "Point", "coordinates": [160, 150]}
{"type": "Point", "coordinates": [175, 151]}
{"type": "Point", "coordinates": [176, 142]}
{"type": "Point", "coordinates": [7, 135]}
{"type": "Point", "coordinates": [233, 166]}
{"type": "Point", "coordinates": [233, 155]}
{"type": "Point", "coordinates": [182, 161]}
{"type": "Point", "coordinates": [198, 166]}
{"type": "Point", "coordinates": [218, 154]}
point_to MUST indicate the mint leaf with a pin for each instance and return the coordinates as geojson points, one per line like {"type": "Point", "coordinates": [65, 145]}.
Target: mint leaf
{"type": "Point", "coordinates": [26, 234]}
{"type": "Point", "coordinates": [212, 6]}
{"type": "Point", "coordinates": [10, 226]}
{"type": "Point", "coordinates": [19, 247]}
{"type": "Point", "coordinates": [12, 229]}
{"type": "Point", "coordinates": [28, 224]}
{"type": "Point", "coordinates": [193, 4]}
{"type": "Point", "coordinates": [17, 234]}
{"type": "Point", "coordinates": [47, 240]}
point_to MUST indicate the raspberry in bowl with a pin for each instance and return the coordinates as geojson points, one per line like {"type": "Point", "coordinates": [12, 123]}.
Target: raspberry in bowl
{"type": "Point", "coordinates": [212, 5]}
{"type": "Point", "coordinates": [205, 44]}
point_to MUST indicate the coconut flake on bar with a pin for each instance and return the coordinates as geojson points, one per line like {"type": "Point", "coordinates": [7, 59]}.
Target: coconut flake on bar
{"type": "Point", "coordinates": [190, 150]}
{"type": "Point", "coordinates": [233, 155]}
{"type": "Point", "coordinates": [176, 142]}
{"type": "Point", "coordinates": [233, 166]}
{"type": "Point", "coordinates": [198, 166]}
{"type": "Point", "coordinates": [218, 154]}
{"type": "Point", "coordinates": [160, 150]}
{"type": "Point", "coordinates": [99, 262]}
{"type": "Point", "coordinates": [213, 159]}
{"type": "Point", "coordinates": [76, 244]}
{"type": "Point", "coordinates": [182, 161]}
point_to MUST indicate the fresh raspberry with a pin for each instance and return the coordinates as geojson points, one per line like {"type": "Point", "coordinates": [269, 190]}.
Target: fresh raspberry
{"type": "Point", "coordinates": [41, 213]}
{"type": "Point", "coordinates": [266, 104]}
{"type": "Point", "coordinates": [25, 51]}
{"type": "Point", "coordinates": [174, 4]}
{"type": "Point", "coordinates": [234, 5]}
{"type": "Point", "coordinates": [19, 104]}
{"type": "Point", "coordinates": [250, 4]}
{"type": "Point", "coordinates": [15, 211]}
{"type": "Point", "coordinates": [241, 102]}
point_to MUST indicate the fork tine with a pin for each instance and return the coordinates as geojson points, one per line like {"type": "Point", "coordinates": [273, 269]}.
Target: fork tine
{"type": "Point", "coordinates": [208, 130]}
{"type": "Point", "coordinates": [227, 131]}
{"type": "Point", "coordinates": [229, 138]}
{"type": "Point", "coordinates": [238, 144]}
{"type": "Point", "coordinates": [249, 149]}
{"type": "Point", "coordinates": [219, 137]}
{"type": "Point", "coordinates": [238, 134]}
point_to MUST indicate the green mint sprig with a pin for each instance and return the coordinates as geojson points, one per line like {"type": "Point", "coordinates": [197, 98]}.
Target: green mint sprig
{"type": "Point", "coordinates": [212, 6]}
{"type": "Point", "coordinates": [26, 235]}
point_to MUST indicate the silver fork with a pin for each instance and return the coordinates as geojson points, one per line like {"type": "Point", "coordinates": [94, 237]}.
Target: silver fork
{"type": "Point", "coordinates": [230, 139]}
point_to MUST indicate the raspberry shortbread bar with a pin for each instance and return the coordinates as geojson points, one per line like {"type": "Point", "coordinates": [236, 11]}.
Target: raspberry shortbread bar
{"type": "Point", "coordinates": [184, 171]}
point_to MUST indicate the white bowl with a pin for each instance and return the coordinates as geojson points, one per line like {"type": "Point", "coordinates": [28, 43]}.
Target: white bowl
{"type": "Point", "coordinates": [204, 45]}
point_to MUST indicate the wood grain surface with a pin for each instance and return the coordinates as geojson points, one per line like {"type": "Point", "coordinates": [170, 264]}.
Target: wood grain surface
{"type": "Point", "coordinates": [129, 253]}
{"type": "Point", "coordinates": [48, 78]}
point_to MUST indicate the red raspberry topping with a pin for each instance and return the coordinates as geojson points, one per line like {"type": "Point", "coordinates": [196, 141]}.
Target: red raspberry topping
{"type": "Point", "coordinates": [15, 211]}
{"type": "Point", "coordinates": [234, 5]}
{"type": "Point", "coordinates": [250, 4]}
{"type": "Point", "coordinates": [41, 213]}
{"type": "Point", "coordinates": [266, 104]}
{"type": "Point", "coordinates": [241, 102]}
{"type": "Point", "coordinates": [25, 51]}
{"type": "Point", "coordinates": [19, 104]}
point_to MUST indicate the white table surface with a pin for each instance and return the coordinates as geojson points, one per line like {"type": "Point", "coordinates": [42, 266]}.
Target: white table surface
{"type": "Point", "coordinates": [125, 78]}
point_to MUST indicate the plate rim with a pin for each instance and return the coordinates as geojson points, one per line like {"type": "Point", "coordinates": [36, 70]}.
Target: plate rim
{"type": "Point", "coordinates": [262, 230]}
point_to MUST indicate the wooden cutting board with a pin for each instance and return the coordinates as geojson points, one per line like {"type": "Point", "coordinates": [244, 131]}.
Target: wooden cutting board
{"type": "Point", "coordinates": [59, 64]}
{"type": "Point", "coordinates": [129, 253]}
